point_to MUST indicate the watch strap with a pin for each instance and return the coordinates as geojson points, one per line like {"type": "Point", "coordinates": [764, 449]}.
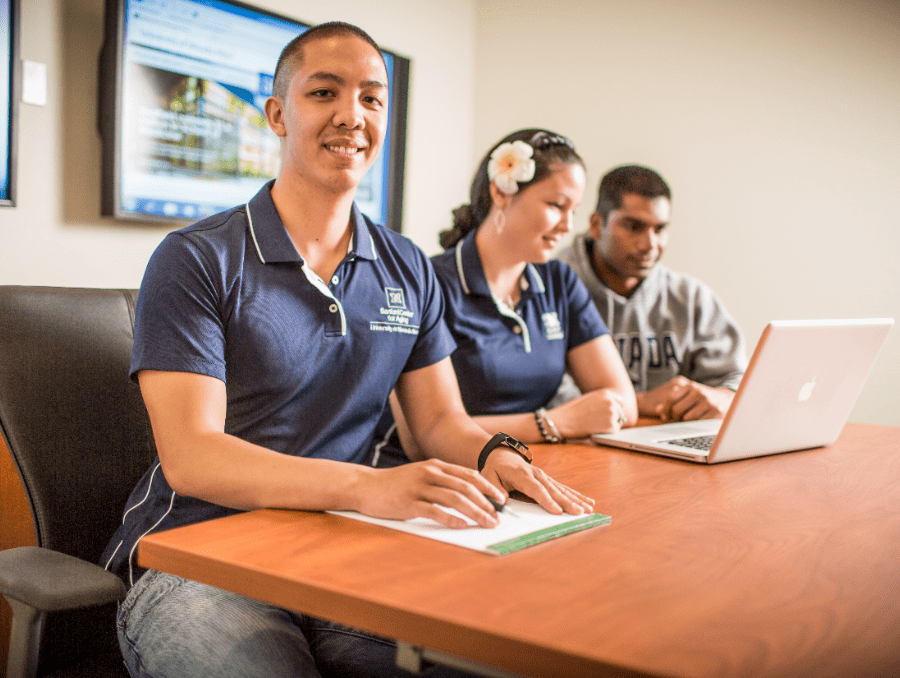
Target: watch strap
{"type": "Point", "coordinates": [501, 439]}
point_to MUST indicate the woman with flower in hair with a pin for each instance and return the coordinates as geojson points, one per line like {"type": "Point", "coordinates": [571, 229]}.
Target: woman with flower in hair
{"type": "Point", "coordinates": [520, 318]}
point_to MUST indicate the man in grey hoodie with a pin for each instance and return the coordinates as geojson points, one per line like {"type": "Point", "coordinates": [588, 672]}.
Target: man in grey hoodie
{"type": "Point", "coordinates": [684, 353]}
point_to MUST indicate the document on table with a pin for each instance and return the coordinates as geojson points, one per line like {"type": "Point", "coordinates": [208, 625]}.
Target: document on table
{"type": "Point", "coordinates": [532, 525]}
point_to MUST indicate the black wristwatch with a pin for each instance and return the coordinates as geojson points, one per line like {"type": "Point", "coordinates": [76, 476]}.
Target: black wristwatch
{"type": "Point", "coordinates": [507, 441]}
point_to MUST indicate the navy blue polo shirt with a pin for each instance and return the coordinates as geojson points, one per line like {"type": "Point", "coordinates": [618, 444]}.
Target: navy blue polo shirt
{"type": "Point", "coordinates": [507, 360]}
{"type": "Point", "coordinates": [308, 364]}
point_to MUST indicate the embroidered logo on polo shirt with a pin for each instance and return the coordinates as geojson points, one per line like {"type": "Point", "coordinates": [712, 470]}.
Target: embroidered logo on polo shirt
{"type": "Point", "coordinates": [552, 326]}
{"type": "Point", "coordinates": [397, 318]}
{"type": "Point", "coordinates": [395, 297]}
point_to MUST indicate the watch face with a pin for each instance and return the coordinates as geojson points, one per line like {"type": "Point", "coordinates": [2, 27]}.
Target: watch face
{"type": "Point", "coordinates": [518, 446]}
{"type": "Point", "coordinates": [515, 444]}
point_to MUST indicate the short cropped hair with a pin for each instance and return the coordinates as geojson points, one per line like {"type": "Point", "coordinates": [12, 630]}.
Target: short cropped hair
{"type": "Point", "coordinates": [629, 179]}
{"type": "Point", "coordinates": [292, 55]}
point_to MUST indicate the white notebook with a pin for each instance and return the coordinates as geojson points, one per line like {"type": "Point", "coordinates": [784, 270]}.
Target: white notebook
{"type": "Point", "coordinates": [531, 525]}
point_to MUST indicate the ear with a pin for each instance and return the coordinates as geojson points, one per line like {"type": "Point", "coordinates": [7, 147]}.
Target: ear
{"type": "Point", "coordinates": [274, 109]}
{"type": "Point", "coordinates": [498, 198]}
{"type": "Point", "coordinates": [596, 226]}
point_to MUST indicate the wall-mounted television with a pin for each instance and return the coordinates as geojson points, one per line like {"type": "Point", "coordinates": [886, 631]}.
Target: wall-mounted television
{"type": "Point", "coordinates": [183, 132]}
{"type": "Point", "coordinates": [9, 69]}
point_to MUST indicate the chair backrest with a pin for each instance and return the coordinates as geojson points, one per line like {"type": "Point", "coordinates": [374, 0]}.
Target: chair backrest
{"type": "Point", "coordinates": [74, 423]}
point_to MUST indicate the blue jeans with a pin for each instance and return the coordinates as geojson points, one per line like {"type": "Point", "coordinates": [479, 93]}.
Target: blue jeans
{"type": "Point", "coordinates": [171, 627]}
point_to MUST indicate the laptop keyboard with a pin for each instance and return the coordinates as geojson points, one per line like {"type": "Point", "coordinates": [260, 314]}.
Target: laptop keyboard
{"type": "Point", "coordinates": [695, 442]}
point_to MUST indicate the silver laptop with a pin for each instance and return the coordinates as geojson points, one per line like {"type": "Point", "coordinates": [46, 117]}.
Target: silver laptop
{"type": "Point", "coordinates": [797, 393]}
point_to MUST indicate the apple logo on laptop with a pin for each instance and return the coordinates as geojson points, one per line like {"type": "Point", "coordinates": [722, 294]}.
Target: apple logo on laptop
{"type": "Point", "coordinates": [806, 390]}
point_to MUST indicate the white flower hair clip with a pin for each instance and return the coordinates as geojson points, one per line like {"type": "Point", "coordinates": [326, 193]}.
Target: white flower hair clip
{"type": "Point", "coordinates": [510, 164]}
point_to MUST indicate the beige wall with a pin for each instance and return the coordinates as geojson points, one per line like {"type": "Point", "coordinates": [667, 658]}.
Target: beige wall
{"type": "Point", "coordinates": [776, 123]}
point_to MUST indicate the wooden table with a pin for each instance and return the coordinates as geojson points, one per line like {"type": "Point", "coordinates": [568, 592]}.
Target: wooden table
{"type": "Point", "coordinates": [780, 566]}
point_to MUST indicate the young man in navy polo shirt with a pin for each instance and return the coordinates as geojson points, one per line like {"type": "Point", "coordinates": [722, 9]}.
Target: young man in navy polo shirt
{"type": "Point", "coordinates": [267, 341]}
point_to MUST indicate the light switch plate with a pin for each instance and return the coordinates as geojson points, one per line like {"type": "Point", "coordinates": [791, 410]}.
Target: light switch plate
{"type": "Point", "coordinates": [34, 83]}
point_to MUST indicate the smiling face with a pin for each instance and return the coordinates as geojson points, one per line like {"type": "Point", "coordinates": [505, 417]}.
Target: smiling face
{"type": "Point", "coordinates": [631, 241]}
{"type": "Point", "coordinates": [333, 117]}
{"type": "Point", "coordinates": [540, 214]}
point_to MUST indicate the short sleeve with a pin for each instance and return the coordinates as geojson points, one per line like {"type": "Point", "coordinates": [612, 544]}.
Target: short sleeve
{"type": "Point", "coordinates": [178, 323]}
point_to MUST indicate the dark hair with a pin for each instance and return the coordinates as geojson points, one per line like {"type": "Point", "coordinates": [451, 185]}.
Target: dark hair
{"type": "Point", "coordinates": [629, 179]}
{"type": "Point", "coordinates": [292, 55]}
{"type": "Point", "coordinates": [550, 151]}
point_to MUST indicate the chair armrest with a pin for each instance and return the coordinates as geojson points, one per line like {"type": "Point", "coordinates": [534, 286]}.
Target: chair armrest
{"type": "Point", "coordinates": [51, 581]}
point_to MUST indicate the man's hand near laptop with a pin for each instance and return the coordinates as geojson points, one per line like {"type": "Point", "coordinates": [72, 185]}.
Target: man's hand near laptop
{"type": "Point", "coordinates": [684, 400]}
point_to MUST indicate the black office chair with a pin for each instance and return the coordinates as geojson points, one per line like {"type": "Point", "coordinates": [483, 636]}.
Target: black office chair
{"type": "Point", "coordinates": [79, 437]}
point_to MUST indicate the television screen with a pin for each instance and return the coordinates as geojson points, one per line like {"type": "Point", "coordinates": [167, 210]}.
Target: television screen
{"type": "Point", "coordinates": [8, 66]}
{"type": "Point", "coordinates": [184, 134]}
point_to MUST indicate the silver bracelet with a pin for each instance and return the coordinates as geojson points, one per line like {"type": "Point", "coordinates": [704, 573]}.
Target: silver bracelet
{"type": "Point", "coordinates": [552, 436]}
{"type": "Point", "coordinates": [553, 430]}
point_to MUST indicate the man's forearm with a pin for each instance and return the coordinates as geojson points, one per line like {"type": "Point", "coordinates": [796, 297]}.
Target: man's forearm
{"type": "Point", "coordinates": [456, 439]}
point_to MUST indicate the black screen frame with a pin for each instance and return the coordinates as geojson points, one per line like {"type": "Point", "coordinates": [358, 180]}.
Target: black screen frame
{"type": "Point", "coordinates": [12, 112]}
{"type": "Point", "coordinates": [110, 122]}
